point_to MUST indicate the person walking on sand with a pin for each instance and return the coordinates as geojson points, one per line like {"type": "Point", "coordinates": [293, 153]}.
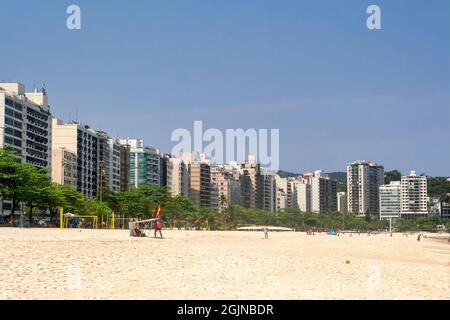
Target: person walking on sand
{"type": "Point", "coordinates": [266, 233]}
{"type": "Point", "coordinates": [158, 227]}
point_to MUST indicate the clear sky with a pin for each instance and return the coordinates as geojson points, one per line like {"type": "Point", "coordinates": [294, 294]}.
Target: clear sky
{"type": "Point", "coordinates": [337, 91]}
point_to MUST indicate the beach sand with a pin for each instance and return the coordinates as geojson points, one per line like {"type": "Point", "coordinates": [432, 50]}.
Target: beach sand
{"type": "Point", "coordinates": [107, 264]}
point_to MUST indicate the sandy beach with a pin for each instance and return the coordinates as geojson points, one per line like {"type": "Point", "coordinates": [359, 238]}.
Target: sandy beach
{"type": "Point", "coordinates": [107, 264]}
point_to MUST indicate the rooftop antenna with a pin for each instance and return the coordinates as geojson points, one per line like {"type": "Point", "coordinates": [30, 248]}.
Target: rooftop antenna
{"type": "Point", "coordinates": [34, 87]}
{"type": "Point", "coordinates": [76, 115]}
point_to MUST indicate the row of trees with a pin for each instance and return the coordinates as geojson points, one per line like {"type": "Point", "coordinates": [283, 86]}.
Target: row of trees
{"type": "Point", "coordinates": [31, 189]}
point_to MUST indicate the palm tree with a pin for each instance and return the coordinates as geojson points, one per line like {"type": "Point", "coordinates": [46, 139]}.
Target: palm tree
{"type": "Point", "coordinates": [222, 202]}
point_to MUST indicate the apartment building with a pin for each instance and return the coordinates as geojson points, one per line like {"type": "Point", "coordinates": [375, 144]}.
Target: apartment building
{"type": "Point", "coordinates": [342, 202]}
{"type": "Point", "coordinates": [303, 190]}
{"type": "Point", "coordinates": [177, 177]}
{"type": "Point", "coordinates": [200, 183]}
{"type": "Point", "coordinates": [67, 173]}
{"type": "Point", "coordinates": [414, 196]}
{"type": "Point", "coordinates": [82, 141]}
{"type": "Point", "coordinates": [323, 193]}
{"type": "Point", "coordinates": [390, 200]}
{"type": "Point", "coordinates": [124, 167]}
{"type": "Point", "coordinates": [109, 163]}
{"type": "Point", "coordinates": [220, 195]}
{"type": "Point", "coordinates": [250, 171]}
{"type": "Point", "coordinates": [144, 163]}
{"type": "Point", "coordinates": [25, 124]}
{"type": "Point", "coordinates": [266, 192]}
{"type": "Point", "coordinates": [445, 209]}
{"type": "Point", "coordinates": [364, 179]}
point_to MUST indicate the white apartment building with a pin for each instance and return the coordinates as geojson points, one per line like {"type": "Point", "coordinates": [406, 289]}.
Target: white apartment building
{"type": "Point", "coordinates": [25, 124]}
{"type": "Point", "coordinates": [303, 191]}
{"type": "Point", "coordinates": [109, 162]}
{"type": "Point", "coordinates": [390, 200]}
{"type": "Point", "coordinates": [67, 172]}
{"type": "Point", "coordinates": [323, 192]}
{"type": "Point", "coordinates": [414, 196]}
{"type": "Point", "coordinates": [177, 177]}
{"type": "Point", "coordinates": [84, 143]}
{"type": "Point", "coordinates": [364, 179]}
{"type": "Point", "coordinates": [282, 199]}
{"type": "Point", "coordinates": [342, 202]}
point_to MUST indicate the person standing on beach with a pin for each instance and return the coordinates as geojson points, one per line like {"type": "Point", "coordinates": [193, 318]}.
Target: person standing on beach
{"type": "Point", "coordinates": [266, 233]}
{"type": "Point", "coordinates": [158, 227]}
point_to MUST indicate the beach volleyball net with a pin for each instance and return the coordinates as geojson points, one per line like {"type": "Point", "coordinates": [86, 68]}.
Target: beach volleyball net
{"type": "Point", "coordinates": [139, 228]}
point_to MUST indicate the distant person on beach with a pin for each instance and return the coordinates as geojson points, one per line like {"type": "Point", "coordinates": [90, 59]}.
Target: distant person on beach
{"type": "Point", "coordinates": [266, 233]}
{"type": "Point", "coordinates": [158, 227]}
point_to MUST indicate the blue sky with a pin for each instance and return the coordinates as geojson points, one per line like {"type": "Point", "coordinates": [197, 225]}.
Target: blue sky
{"type": "Point", "coordinates": [337, 91]}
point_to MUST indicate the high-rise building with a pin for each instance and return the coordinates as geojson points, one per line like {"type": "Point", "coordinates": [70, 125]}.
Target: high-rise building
{"type": "Point", "coordinates": [84, 143]}
{"type": "Point", "coordinates": [67, 173]}
{"type": "Point", "coordinates": [342, 202]}
{"type": "Point", "coordinates": [200, 183]}
{"type": "Point", "coordinates": [124, 167]}
{"type": "Point", "coordinates": [390, 200]}
{"type": "Point", "coordinates": [199, 173]}
{"type": "Point", "coordinates": [282, 200]}
{"type": "Point", "coordinates": [414, 196]}
{"type": "Point", "coordinates": [109, 163]}
{"type": "Point", "coordinates": [445, 209]}
{"type": "Point", "coordinates": [177, 177]}
{"type": "Point", "coordinates": [220, 184]}
{"type": "Point", "coordinates": [323, 193]}
{"type": "Point", "coordinates": [364, 180]}
{"type": "Point", "coordinates": [25, 124]}
{"type": "Point", "coordinates": [250, 171]}
{"type": "Point", "coordinates": [303, 189]}
{"type": "Point", "coordinates": [291, 193]}
{"type": "Point", "coordinates": [266, 192]}
{"type": "Point", "coordinates": [144, 163]}
{"type": "Point", "coordinates": [164, 164]}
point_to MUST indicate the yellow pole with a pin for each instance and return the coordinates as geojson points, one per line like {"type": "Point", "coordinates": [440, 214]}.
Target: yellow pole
{"type": "Point", "coordinates": [112, 220]}
{"type": "Point", "coordinates": [61, 218]}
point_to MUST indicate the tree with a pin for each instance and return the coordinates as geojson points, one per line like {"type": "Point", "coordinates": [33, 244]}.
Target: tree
{"type": "Point", "coordinates": [52, 197]}
{"type": "Point", "coordinates": [20, 182]}
{"type": "Point", "coordinates": [74, 201]}
{"type": "Point", "coordinates": [32, 192]}
{"type": "Point", "coordinates": [393, 175]}
{"type": "Point", "coordinates": [222, 202]}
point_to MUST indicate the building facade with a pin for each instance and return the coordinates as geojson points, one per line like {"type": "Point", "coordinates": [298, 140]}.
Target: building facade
{"type": "Point", "coordinates": [144, 163]}
{"type": "Point", "coordinates": [364, 180]}
{"type": "Point", "coordinates": [323, 193]}
{"type": "Point", "coordinates": [414, 197]}
{"type": "Point", "coordinates": [124, 167]}
{"type": "Point", "coordinates": [342, 202]}
{"type": "Point", "coordinates": [390, 200]}
{"type": "Point", "coordinates": [177, 177]}
{"type": "Point", "coordinates": [67, 173]}
{"type": "Point", "coordinates": [84, 143]}
{"type": "Point", "coordinates": [25, 124]}
{"type": "Point", "coordinates": [220, 199]}
{"type": "Point", "coordinates": [250, 171]}
{"type": "Point", "coordinates": [267, 192]}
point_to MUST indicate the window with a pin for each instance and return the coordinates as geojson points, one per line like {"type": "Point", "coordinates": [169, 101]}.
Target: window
{"type": "Point", "coordinates": [17, 143]}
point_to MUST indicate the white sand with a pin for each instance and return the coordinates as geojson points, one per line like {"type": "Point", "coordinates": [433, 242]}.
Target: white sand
{"type": "Point", "coordinates": [105, 264]}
